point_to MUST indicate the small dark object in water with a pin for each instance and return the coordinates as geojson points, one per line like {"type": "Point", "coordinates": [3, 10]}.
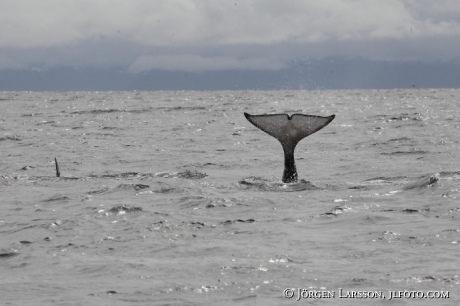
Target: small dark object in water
{"type": "Point", "coordinates": [239, 220]}
{"type": "Point", "coordinates": [409, 210]}
{"type": "Point", "coordinates": [8, 254]}
{"type": "Point", "coordinates": [58, 173]}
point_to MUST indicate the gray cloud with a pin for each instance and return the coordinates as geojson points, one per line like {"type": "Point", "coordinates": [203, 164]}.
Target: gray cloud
{"type": "Point", "coordinates": [195, 35]}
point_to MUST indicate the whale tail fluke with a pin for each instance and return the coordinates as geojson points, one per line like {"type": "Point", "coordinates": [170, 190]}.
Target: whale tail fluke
{"type": "Point", "coordinates": [289, 130]}
{"type": "Point", "coordinates": [58, 173]}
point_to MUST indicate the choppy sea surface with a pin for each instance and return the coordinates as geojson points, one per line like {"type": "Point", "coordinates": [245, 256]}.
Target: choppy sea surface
{"type": "Point", "coordinates": [174, 198]}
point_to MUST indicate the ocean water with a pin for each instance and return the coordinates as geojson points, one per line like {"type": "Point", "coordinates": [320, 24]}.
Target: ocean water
{"type": "Point", "coordinates": [174, 198]}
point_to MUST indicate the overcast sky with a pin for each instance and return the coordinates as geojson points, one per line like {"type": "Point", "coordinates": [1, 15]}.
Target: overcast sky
{"type": "Point", "coordinates": [141, 36]}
